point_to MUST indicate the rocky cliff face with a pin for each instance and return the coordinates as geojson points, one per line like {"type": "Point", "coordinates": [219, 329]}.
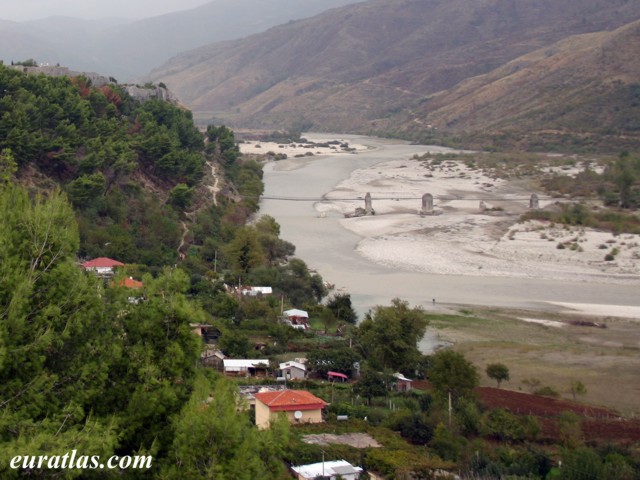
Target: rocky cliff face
{"type": "Point", "coordinates": [96, 79]}
{"type": "Point", "coordinates": [154, 92]}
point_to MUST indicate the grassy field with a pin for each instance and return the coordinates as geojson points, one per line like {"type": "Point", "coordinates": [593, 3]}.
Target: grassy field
{"type": "Point", "coordinates": [605, 360]}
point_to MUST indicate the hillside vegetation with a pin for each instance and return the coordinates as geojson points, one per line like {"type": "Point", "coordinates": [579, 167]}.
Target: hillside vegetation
{"type": "Point", "coordinates": [140, 178]}
{"type": "Point", "coordinates": [401, 67]}
{"type": "Point", "coordinates": [98, 143]}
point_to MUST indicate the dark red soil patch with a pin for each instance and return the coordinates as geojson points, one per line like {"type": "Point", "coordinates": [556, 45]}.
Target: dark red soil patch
{"type": "Point", "coordinates": [527, 404]}
{"type": "Point", "coordinates": [599, 425]}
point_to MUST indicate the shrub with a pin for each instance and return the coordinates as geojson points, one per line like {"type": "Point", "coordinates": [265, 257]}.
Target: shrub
{"type": "Point", "coordinates": [547, 391]}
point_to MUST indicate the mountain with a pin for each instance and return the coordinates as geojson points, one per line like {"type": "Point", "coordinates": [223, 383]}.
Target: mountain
{"type": "Point", "coordinates": [127, 49]}
{"type": "Point", "coordinates": [355, 67]}
{"type": "Point", "coordinates": [585, 83]}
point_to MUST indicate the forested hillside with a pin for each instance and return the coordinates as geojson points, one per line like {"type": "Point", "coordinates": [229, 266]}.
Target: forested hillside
{"type": "Point", "coordinates": [97, 143]}
{"type": "Point", "coordinates": [81, 368]}
{"type": "Point", "coordinates": [89, 171]}
{"type": "Point", "coordinates": [140, 177]}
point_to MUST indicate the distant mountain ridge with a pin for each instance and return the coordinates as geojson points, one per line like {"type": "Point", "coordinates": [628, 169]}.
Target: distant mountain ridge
{"type": "Point", "coordinates": [588, 82]}
{"type": "Point", "coordinates": [127, 49]}
{"type": "Point", "coordinates": [364, 66]}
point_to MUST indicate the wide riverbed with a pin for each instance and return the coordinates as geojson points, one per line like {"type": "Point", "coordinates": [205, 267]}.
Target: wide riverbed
{"type": "Point", "coordinates": [330, 249]}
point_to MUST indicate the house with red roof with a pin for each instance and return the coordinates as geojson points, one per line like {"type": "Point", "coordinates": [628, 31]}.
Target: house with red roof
{"type": "Point", "coordinates": [102, 266]}
{"type": "Point", "coordinates": [299, 406]}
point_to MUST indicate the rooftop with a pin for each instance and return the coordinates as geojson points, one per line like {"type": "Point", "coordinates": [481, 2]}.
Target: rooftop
{"type": "Point", "coordinates": [291, 400]}
{"type": "Point", "coordinates": [328, 469]}
{"type": "Point", "coordinates": [102, 262]}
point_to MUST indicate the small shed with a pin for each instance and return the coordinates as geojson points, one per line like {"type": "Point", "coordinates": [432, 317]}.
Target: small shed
{"type": "Point", "coordinates": [293, 370]}
{"type": "Point", "coordinates": [333, 376]}
{"type": "Point", "coordinates": [403, 384]}
{"type": "Point", "coordinates": [245, 367]}
{"type": "Point", "coordinates": [211, 356]}
{"type": "Point", "coordinates": [297, 318]}
{"type": "Point", "coordinates": [328, 470]}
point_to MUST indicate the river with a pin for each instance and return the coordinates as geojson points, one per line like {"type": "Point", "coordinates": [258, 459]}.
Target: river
{"type": "Point", "coordinates": [330, 249]}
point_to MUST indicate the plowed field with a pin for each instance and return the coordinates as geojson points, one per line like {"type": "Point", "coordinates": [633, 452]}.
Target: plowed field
{"type": "Point", "coordinates": [598, 424]}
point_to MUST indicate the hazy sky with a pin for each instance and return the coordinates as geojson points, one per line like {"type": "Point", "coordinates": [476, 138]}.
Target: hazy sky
{"type": "Point", "coordinates": [19, 10]}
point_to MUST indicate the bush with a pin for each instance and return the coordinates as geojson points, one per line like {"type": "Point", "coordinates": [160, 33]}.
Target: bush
{"type": "Point", "coordinates": [547, 392]}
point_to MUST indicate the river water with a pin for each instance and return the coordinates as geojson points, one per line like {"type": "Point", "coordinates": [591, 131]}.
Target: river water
{"type": "Point", "coordinates": [330, 249]}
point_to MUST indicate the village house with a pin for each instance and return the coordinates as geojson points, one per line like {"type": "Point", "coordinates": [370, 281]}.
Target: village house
{"type": "Point", "coordinates": [327, 470]}
{"type": "Point", "coordinates": [133, 285]}
{"type": "Point", "coordinates": [208, 333]}
{"type": "Point", "coordinates": [248, 392]}
{"type": "Point", "coordinates": [130, 282]}
{"type": "Point", "coordinates": [293, 370]}
{"type": "Point", "coordinates": [299, 406]}
{"type": "Point", "coordinates": [256, 291]}
{"type": "Point", "coordinates": [213, 357]}
{"type": "Point", "coordinates": [102, 266]}
{"type": "Point", "coordinates": [245, 367]}
{"type": "Point", "coordinates": [296, 318]}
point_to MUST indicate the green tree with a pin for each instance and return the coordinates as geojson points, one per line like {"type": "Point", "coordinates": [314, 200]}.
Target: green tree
{"type": "Point", "coordinates": [152, 376]}
{"type": "Point", "coordinates": [244, 252]}
{"type": "Point", "coordinates": [370, 385]}
{"type": "Point", "coordinates": [618, 467]}
{"type": "Point", "coordinates": [570, 429]}
{"type": "Point", "coordinates": [624, 174]}
{"type": "Point", "coordinates": [340, 359]}
{"type": "Point", "coordinates": [580, 464]}
{"type": "Point", "coordinates": [328, 319]}
{"type": "Point", "coordinates": [451, 373]}
{"type": "Point", "coordinates": [85, 189]}
{"type": "Point", "coordinates": [235, 344]}
{"type": "Point", "coordinates": [8, 166]}
{"type": "Point", "coordinates": [56, 345]}
{"type": "Point", "coordinates": [577, 388]}
{"type": "Point", "coordinates": [498, 372]}
{"type": "Point", "coordinates": [414, 426]}
{"type": "Point", "coordinates": [445, 443]}
{"type": "Point", "coordinates": [504, 425]}
{"type": "Point", "coordinates": [340, 305]}
{"type": "Point", "coordinates": [181, 196]}
{"type": "Point", "coordinates": [214, 440]}
{"type": "Point", "coordinates": [388, 338]}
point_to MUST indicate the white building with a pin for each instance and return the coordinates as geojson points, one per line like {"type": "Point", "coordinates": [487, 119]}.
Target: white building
{"type": "Point", "coordinates": [330, 470]}
{"type": "Point", "coordinates": [244, 367]}
{"type": "Point", "coordinates": [293, 370]}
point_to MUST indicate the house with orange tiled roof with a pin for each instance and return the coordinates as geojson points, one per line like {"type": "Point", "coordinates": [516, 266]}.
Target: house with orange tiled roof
{"type": "Point", "coordinates": [299, 406]}
{"type": "Point", "coordinates": [130, 282]}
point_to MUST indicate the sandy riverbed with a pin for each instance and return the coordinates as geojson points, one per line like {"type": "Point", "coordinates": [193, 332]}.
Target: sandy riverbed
{"type": "Point", "coordinates": [462, 239]}
{"type": "Point", "coordinates": [462, 256]}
